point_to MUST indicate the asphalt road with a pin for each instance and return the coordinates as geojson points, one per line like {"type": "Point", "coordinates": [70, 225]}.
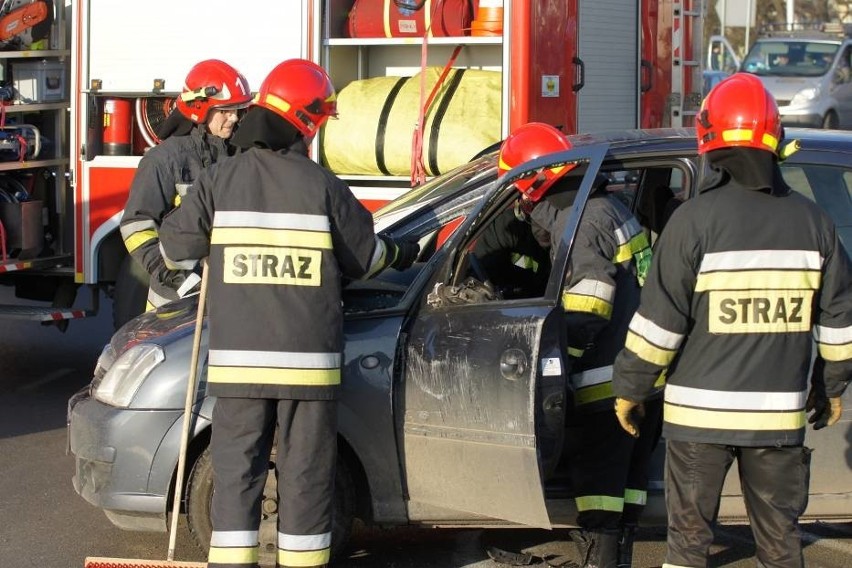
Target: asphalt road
{"type": "Point", "coordinates": [45, 524]}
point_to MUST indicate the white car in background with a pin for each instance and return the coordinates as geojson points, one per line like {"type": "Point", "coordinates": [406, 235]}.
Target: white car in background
{"type": "Point", "coordinates": [809, 73]}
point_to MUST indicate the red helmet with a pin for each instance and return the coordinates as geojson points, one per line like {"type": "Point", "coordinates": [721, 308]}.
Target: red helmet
{"type": "Point", "coordinates": [526, 143]}
{"type": "Point", "coordinates": [738, 111]}
{"type": "Point", "coordinates": [300, 92]}
{"type": "Point", "coordinates": [212, 84]}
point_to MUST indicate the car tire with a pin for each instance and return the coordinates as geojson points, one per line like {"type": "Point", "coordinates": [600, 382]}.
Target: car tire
{"type": "Point", "coordinates": [131, 292]}
{"type": "Point", "coordinates": [830, 121]}
{"type": "Point", "coordinates": [200, 495]}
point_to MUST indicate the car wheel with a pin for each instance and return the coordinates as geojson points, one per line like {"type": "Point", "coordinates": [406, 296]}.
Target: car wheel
{"type": "Point", "coordinates": [131, 292]}
{"type": "Point", "coordinates": [200, 495]}
{"type": "Point", "coordinates": [830, 121]}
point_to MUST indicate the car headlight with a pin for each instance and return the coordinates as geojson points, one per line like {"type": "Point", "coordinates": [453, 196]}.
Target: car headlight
{"type": "Point", "coordinates": [124, 377]}
{"type": "Point", "coordinates": [804, 96]}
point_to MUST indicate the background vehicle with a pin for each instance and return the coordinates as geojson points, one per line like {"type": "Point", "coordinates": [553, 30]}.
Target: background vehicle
{"type": "Point", "coordinates": [630, 66]}
{"type": "Point", "coordinates": [809, 73]}
{"type": "Point", "coordinates": [426, 382]}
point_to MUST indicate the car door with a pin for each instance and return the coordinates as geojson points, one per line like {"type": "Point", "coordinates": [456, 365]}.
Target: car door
{"type": "Point", "coordinates": [841, 87]}
{"type": "Point", "coordinates": [483, 391]}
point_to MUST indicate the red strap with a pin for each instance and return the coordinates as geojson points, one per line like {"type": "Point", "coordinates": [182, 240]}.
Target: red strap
{"type": "Point", "coordinates": [418, 169]}
{"type": "Point", "coordinates": [22, 147]}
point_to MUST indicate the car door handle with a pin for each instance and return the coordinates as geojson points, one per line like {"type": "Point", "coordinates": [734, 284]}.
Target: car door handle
{"type": "Point", "coordinates": [513, 364]}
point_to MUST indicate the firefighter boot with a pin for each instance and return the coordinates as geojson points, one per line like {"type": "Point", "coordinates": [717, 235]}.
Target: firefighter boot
{"type": "Point", "coordinates": [598, 548]}
{"type": "Point", "coordinates": [625, 546]}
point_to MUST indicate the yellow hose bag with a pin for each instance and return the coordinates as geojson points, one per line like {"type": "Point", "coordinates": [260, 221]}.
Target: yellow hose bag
{"type": "Point", "coordinates": [374, 131]}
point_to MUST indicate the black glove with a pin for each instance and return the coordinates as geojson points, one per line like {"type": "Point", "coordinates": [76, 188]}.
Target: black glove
{"type": "Point", "coordinates": [404, 253]}
{"type": "Point", "coordinates": [183, 282]}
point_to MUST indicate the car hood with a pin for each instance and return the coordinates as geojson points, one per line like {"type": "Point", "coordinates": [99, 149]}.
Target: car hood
{"type": "Point", "coordinates": [783, 88]}
{"type": "Point", "coordinates": [176, 320]}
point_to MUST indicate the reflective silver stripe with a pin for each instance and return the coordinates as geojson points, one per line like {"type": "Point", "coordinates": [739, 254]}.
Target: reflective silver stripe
{"type": "Point", "coordinates": [187, 264]}
{"type": "Point", "coordinates": [281, 359]}
{"type": "Point", "coordinates": [761, 259]}
{"type": "Point", "coordinates": [228, 539]}
{"type": "Point", "coordinates": [304, 541]}
{"type": "Point", "coordinates": [730, 400]}
{"type": "Point", "coordinates": [653, 333]}
{"type": "Point", "coordinates": [833, 335]}
{"type": "Point", "coordinates": [627, 231]}
{"type": "Point", "coordinates": [588, 287]}
{"type": "Point", "coordinates": [260, 220]}
{"type": "Point", "coordinates": [380, 252]}
{"type": "Point", "coordinates": [591, 377]}
{"type": "Point", "coordinates": [132, 227]}
{"type": "Point", "coordinates": [157, 300]}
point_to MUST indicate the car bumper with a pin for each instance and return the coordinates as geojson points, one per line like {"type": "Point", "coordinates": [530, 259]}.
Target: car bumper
{"type": "Point", "coordinates": [114, 450]}
{"type": "Point", "coordinates": [806, 118]}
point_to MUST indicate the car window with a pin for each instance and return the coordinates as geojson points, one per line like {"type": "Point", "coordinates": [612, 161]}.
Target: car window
{"type": "Point", "coordinates": [787, 58]}
{"type": "Point", "coordinates": [432, 191]}
{"type": "Point", "coordinates": [828, 186]}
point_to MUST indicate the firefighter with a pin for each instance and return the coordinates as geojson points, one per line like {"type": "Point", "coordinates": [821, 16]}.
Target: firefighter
{"type": "Point", "coordinates": [741, 277]}
{"type": "Point", "coordinates": [611, 255]}
{"type": "Point", "coordinates": [280, 231]}
{"type": "Point", "coordinates": [194, 137]}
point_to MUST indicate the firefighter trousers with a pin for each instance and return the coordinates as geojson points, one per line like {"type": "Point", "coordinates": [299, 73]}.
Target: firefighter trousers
{"type": "Point", "coordinates": [775, 484]}
{"type": "Point", "coordinates": [243, 433]}
{"type": "Point", "coordinates": [609, 471]}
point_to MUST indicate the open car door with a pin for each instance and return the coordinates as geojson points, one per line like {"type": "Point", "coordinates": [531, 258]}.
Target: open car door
{"type": "Point", "coordinates": [483, 389]}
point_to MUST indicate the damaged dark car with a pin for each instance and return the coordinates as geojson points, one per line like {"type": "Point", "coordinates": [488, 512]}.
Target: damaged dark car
{"type": "Point", "coordinates": [456, 405]}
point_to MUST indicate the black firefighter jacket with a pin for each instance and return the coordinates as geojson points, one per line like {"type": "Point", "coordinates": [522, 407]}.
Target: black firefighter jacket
{"type": "Point", "coordinates": [609, 260]}
{"type": "Point", "coordinates": [164, 174]}
{"type": "Point", "coordinates": [280, 231]}
{"type": "Point", "coordinates": [742, 283]}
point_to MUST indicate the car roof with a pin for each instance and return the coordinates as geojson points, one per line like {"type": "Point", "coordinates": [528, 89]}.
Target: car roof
{"type": "Point", "coordinates": [683, 139]}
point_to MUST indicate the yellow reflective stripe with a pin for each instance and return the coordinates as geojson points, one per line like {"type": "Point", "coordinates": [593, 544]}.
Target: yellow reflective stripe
{"type": "Point", "coordinates": [136, 240]}
{"type": "Point", "coordinates": [236, 555]}
{"type": "Point", "coordinates": [304, 558]}
{"type": "Point", "coordinates": [586, 304]}
{"type": "Point", "coordinates": [575, 352]}
{"type": "Point", "coordinates": [635, 497]}
{"type": "Point", "coordinates": [746, 135]}
{"type": "Point", "coordinates": [727, 420]}
{"type": "Point", "coordinates": [273, 376]}
{"type": "Point", "coordinates": [604, 391]}
{"type": "Point", "coordinates": [835, 352]}
{"type": "Point", "coordinates": [648, 351]}
{"type": "Point", "coordinates": [275, 101]}
{"type": "Point", "coordinates": [599, 503]}
{"type": "Point", "coordinates": [595, 393]}
{"type": "Point", "coordinates": [270, 237]}
{"type": "Point", "coordinates": [177, 200]}
{"type": "Point", "coordinates": [759, 280]}
{"type": "Point", "coordinates": [626, 251]}
{"type": "Point", "coordinates": [769, 140]}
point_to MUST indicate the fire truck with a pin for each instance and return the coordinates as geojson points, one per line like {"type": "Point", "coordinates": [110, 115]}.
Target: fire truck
{"type": "Point", "coordinates": [584, 65]}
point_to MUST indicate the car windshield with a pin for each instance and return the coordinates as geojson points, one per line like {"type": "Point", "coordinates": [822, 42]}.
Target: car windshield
{"type": "Point", "coordinates": [785, 58]}
{"type": "Point", "coordinates": [434, 191]}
